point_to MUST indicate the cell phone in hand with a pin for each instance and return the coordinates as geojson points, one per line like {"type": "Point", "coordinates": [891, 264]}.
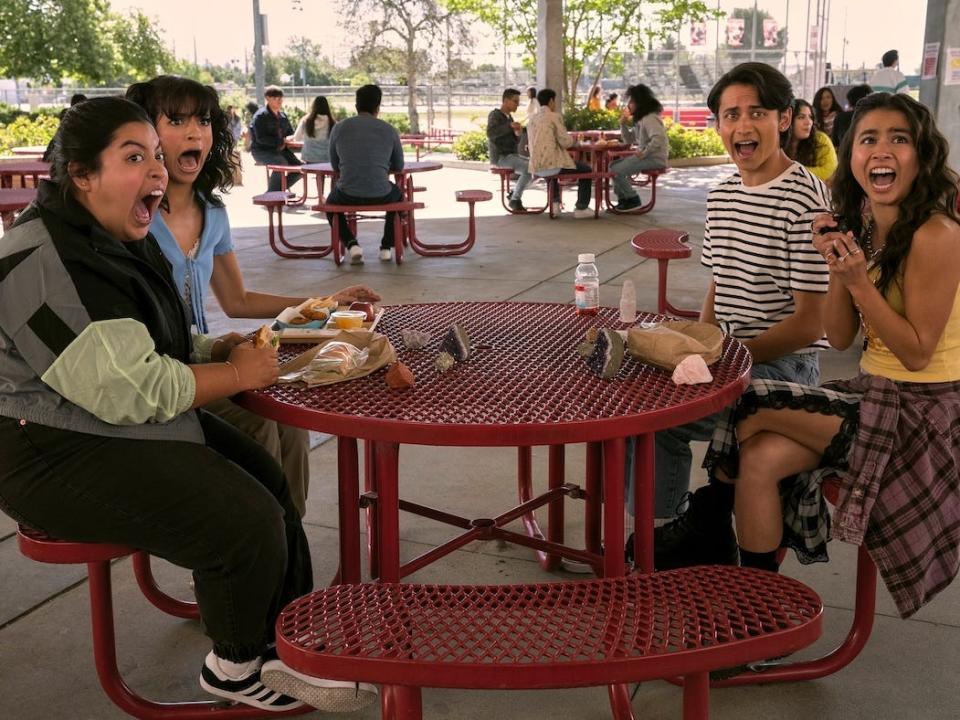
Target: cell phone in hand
{"type": "Point", "coordinates": [841, 226]}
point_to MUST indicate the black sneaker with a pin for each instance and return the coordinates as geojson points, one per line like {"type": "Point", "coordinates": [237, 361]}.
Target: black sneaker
{"type": "Point", "coordinates": [516, 206]}
{"type": "Point", "coordinates": [248, 690]}
{"type": "Point", "coordinates": [628, 204]}
{"type": "Point", "coordinates": [697, 536]}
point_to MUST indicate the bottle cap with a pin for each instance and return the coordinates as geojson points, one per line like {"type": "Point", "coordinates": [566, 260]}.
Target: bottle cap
{"type": "Point", "coordinates": [585, 258]}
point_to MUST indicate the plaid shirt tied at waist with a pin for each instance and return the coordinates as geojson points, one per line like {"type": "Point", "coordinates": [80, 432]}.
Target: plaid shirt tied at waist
{"type": "Point", "coordinates": [900, 496]}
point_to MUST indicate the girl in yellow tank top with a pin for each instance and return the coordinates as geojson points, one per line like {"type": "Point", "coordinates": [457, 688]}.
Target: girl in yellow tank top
{"type": "Point", "coordinates": [891, 434]}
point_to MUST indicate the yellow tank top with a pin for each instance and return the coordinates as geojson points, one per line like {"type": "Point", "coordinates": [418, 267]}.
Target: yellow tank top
{"type": "Point", "coordinates": [944, 365]}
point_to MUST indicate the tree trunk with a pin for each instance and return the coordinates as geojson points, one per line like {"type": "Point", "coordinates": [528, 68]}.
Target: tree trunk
{"type": "Point", "coordinates": [412, 86]}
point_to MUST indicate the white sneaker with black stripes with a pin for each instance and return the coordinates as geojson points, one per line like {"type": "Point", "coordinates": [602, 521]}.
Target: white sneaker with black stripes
{"type": "Point", "coordinates": [327, 695]}
{"type": "Point", "coordinates": [247, 689]}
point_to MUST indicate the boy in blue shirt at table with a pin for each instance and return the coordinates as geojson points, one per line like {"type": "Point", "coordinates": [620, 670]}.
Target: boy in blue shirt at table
{"type": "Point", "coordinates": [767, 290]}
{"type": "Point", "coordinates": [365, 150]}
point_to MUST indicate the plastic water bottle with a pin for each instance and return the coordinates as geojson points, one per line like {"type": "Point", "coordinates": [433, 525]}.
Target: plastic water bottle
{"type": "Point", "coordinates": [628, 302]}
{"type": "Point", "coordinates": [587, 285]}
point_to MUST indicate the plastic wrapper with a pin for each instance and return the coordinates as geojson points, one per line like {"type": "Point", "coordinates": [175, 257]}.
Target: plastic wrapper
{"type": "Point", "coordinates": [327, 363]}
{"type": "Point", "coordinates": [338, 357]}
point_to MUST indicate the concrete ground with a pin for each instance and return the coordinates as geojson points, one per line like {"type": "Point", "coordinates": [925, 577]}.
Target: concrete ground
{"type": "Point", "coordinates": [46, 667]}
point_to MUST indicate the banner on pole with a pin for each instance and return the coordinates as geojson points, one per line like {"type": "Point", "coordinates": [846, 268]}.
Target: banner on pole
{"type": "Point", "coordinates": [931, 58]}
{"type": "Point", "coordinates": [770, 31]}
{"type": "Point", "coordinates": [698, 33]}
{"type": "Point", "coordinates": [735, 32]}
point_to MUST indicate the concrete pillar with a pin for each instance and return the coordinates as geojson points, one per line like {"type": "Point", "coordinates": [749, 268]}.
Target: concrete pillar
{"type": "Point", "coordinates": [943, 26]}
{"type": "Point", "coordinates": [550, 47]}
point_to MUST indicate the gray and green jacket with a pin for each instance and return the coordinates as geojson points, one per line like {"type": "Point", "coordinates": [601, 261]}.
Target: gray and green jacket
{"type": "Point", "coordinates": [94, 337]}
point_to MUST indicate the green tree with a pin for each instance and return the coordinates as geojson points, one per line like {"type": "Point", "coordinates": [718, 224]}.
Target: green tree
{"type": "Point", "coordinates": [47, 39]}
{"type": "Point", "coordinates": [416, 27]}
{"type": "Point", "coordinates": [594, 31]}
{"type": "Point", "coordinates": [139, 49]}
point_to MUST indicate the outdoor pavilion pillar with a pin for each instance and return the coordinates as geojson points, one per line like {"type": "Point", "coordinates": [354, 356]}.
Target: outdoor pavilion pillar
{"type": "Point", "coordinates": [943, 26]}
{"type": "Point", "coordinates": [550, 47]}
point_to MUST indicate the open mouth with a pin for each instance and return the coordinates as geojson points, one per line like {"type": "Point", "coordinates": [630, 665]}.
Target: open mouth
{"type": "Point", "coordinates": [882, 178]}
{"type": "Point", "coordinates": [746, 149]}
{"type": "Point", "coordinates": [189, 161]}
{"type": "Point", "coordinates": [146, 206]}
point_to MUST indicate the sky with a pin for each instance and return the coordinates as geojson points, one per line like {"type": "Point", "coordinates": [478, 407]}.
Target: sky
{"type": "Point", "coordinates": [872, 27]}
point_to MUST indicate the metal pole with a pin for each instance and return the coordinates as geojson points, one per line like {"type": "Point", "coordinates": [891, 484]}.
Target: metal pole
{"type": "Point", "coordinates": [716, 48]}
{"type": "Point", "coordinates": [258, 50]}
{"type": "Point", "coordinates": [826, 36]}
{"type": "Point", "coordinates": [843, 53]}
{"type": "Point", "coordinates": [676, 81]}
{"type": "Point", "coordinates": [786, 37]}
{"type": "Point", "coordinates": [753, 33]}
{"type": "Point", "coordinates": [504, 35]}
{"type": "Point", "coordinates": [806, 54]}
{"type": "Point", "coordinates": [816, 54]}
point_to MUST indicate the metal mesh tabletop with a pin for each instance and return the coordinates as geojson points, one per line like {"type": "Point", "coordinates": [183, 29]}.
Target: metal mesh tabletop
{"type": "Point", "coordinates": [525, 383]}
{"type": "Point", "coordinates": [549, 634]}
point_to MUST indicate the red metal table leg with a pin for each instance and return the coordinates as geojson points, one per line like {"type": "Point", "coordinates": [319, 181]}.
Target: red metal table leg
{"type": "Point", "coordinates": [373, 526]}
{"type": "Point", "coordinates": [548, 561]}
{"type": "Point", "coordinates": [613, 491]}
{"type": "Point", "coordinates": [556, 475]}
{"type": "Point", "coordinates": [594, 492]}
{"type": "Point", "coordinates": [643, 492]}
{"type": "Point", "coordinates": [386, 456]}
{"type": "Point", "coordinates": [696, 696]}
{"type": "Point", "coordinates": [349, 491]}
{"type": "Point", "coordinates": [620, 705]}
{"type": "Point", "coordinates": [399, 702]}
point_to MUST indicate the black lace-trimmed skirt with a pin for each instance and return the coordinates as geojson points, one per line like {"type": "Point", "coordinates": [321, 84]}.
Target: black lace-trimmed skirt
{"type": "Point", "coordinates": [806, 519]}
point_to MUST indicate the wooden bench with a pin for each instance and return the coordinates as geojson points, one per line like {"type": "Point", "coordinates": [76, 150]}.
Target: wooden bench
{"type": "Point", "coordinates": [402, 208]}
{"type": "Point", "coordinates": [97, 557]}
{"type": "Point", "coordinates": [664, 245]}
{"type": "Point", "coordinates": [643, 178]}
{"type": "Point", "coordinates": [506, 188]}
{"type": "Point", "coordinates": [275, 202]}
{"type": "Point", "coordinates": [554, 635]}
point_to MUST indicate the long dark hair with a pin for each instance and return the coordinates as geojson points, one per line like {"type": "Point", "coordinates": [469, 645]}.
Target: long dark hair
{"type": "Point", "coordinates": [934, 190]}
{"type": "Point", "coordinates": [320, 107]}
{"type": "Point", "coordinates": [182, 97]}
{"type": "Point", "coordinates": [644, 101]}
{"type": "Point", "coordinates": [818, 113]}
{"type": "Point", "coordinates": [806, 153]}
{"type": "Point", "coordinates": [85, 131]}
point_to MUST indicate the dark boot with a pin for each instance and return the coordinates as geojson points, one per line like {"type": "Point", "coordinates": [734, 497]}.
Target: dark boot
{"type": "Point", "coordinates": [700, 535]}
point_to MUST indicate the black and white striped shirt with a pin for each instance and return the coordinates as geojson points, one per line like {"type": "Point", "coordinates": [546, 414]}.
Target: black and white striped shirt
{"type": "Point", "coordinates": [758, 245]}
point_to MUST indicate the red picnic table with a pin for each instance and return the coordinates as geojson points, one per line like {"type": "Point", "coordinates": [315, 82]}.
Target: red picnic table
{"type": "Point", "coordinates": [525, 385]}
{"type": "Point", "coordinates": [12, 201]}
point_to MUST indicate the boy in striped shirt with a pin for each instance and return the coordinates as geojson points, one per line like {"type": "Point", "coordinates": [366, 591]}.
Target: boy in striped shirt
{"type": "Point", "coordinates": [767, 290]}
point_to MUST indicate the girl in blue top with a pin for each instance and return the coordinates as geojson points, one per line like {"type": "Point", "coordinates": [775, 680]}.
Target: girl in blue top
{"type": "Point", "coordinates": [194, 234]}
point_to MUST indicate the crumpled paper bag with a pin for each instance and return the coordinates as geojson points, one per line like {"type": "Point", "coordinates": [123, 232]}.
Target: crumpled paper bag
{"type": "Point", "coordinates": [380, 353]}
{"type": "Point", "coordinates": [669, 342]}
